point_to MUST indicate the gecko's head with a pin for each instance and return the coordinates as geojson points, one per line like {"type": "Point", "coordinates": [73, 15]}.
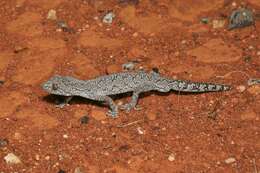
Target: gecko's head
{"type": "Point", "coordinates": [57, 85]}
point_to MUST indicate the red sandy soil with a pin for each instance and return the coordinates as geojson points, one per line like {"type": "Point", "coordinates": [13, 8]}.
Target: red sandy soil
{"type": "Point", "coordinates": [194, 133]}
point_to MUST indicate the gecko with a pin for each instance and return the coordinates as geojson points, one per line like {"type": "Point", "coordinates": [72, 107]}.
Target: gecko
{"type": "Point", "coordinates": [137, 82]}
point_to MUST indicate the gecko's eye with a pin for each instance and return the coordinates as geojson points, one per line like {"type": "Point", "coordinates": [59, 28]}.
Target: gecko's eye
{"type": "Point", "coordinates": [54, 86]}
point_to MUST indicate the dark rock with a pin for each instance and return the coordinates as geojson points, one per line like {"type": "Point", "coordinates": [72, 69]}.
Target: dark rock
{"type": "Point", "coordinates": [61, 171]}
{"type": "Point", "coordinates": [240, 18]}
{"type": "Point", "coordinates": [128, 66]}
{"type": "Point", "coordinates": [3, 142]}
{"type": "Point", "coordinates": [84, 119]}
{"type": "Point", "coordinates": [64, 26]}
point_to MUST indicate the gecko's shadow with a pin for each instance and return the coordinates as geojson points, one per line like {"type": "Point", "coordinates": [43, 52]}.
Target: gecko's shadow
{"type": "Point", "coordinates": [56, 99]}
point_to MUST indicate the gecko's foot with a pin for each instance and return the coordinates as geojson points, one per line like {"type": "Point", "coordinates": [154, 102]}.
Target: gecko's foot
{"type": "Point", "coordinates": [128, 107]}
{"type": "Point", "coordinates": [112, 114]}
{"type": "Point", "coordinates": [61, 105]}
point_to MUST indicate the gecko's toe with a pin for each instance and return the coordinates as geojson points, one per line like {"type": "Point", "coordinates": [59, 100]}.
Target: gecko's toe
{"type": "Point", "coordinates": [137, 108]}
{"type": "Point", "coordinates": [112, 114]}
{"type": "Point", "coordinates": [126, 107]}
{"type": "Point", "coordinates": [129, 107]}
{"type": "Point", "coordinates": [61, 105]}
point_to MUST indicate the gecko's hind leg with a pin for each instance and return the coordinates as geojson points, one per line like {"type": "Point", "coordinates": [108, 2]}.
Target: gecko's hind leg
{"type": "Point", "coordinates": [64, 103]}
{"type": "Point", "coordinates": [132, 104]}
{"type": "Point", "coordinates": [113, 107]}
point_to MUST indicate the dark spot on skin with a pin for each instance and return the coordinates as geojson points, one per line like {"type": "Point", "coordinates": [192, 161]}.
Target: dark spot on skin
{"type": "Point", "coordinates": [155, 69]}
{"type": "Point", "coordinates": [54, 86]}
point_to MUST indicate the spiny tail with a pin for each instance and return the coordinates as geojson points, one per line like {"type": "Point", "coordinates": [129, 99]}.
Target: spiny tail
{"type": "Point", "coordinates": [187, 86]}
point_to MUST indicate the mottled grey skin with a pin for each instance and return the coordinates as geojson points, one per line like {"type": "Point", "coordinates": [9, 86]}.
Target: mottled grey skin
{"type": "Point", "coordinates": [101, 88]}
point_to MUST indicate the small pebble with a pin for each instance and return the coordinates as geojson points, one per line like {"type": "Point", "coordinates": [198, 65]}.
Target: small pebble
{"type": "Point", "coordinates": [230, 160]}
{"type": "Point", "coordinates": [128, 66]}
{"type": "Point", "coordinates": [140, 131]}
{"type": "Point", "coordinates": [250, 47]}
{"type": "Point", "coordinates": [18, 49]}
{"type": "Point", "coordinates": [3, 142]}
{"type": "Point", "coordinates": [108, 18]}
{"type": "Point", "coordinates": [204, 20]}
{"type": "Point", "coordinates": [234, 4]}
{"type": "Point", "coordinates": [218, 23]}
{"type": "Point", "coordinates": [2, 82]}
{"type": "Point", "coordinates": [78, 170]}
{"type": "Point", "coordinates": [65, 136]}
{"type": "Point", "coordinates": [258, 53]}
{"type": "Point", "coordinates": [64, 26]}
{"type": "Point", "coordinates": [11, 158]}
{"type": "Point", "coordinates": [37, 157]}
{"type": "Point", "coordinates": [183, 42]}
{"type": "Point", "coordinates": [135, 34]}
{"type": "Point", "coordinates": [47, 157]}
{"type": "Point", "coordinates": [84, 119]}
{"type": "Point", "coordinates": [171, 157]}
{"type": "Point", "coordinates": [241, 88]}
{"type": "Point", "coordinates": [52, 15]}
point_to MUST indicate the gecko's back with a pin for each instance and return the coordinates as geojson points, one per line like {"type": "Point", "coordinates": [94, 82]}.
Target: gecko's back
{"type": "Point", "coordinates": [119, 83]}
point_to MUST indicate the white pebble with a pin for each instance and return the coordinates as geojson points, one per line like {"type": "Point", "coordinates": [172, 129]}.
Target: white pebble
{"type": "Point", "coordinates": [140, 131]}
{"type": "Point", "coordinates": [135, 34]}
{"type": "Point", "coordinates": [11, 158]}
{"type": "Point", "coordinates": [52, 15]}
{"type": "Point", "coordinates": [171, 157]}
{"type": "Point", "coordinates": [230, 160]}
{"type": "Point", "coordinates": [108, 18]}
{"type": "Point", "coordinates": [37, 157]}
{"type": "Point", "coordinates": [218, 23]}
{"type": "Point", "coordinates": [65, 136]}
{"type": "Point", "coordinates": [241, 88]}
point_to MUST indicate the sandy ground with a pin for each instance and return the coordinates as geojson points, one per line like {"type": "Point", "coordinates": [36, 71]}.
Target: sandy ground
{"type": "Point", "coordinates": [179, 133]}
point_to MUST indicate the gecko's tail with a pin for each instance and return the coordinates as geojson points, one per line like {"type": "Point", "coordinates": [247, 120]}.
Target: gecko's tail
{"type": "Point", "coordinates": [187, 86]}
